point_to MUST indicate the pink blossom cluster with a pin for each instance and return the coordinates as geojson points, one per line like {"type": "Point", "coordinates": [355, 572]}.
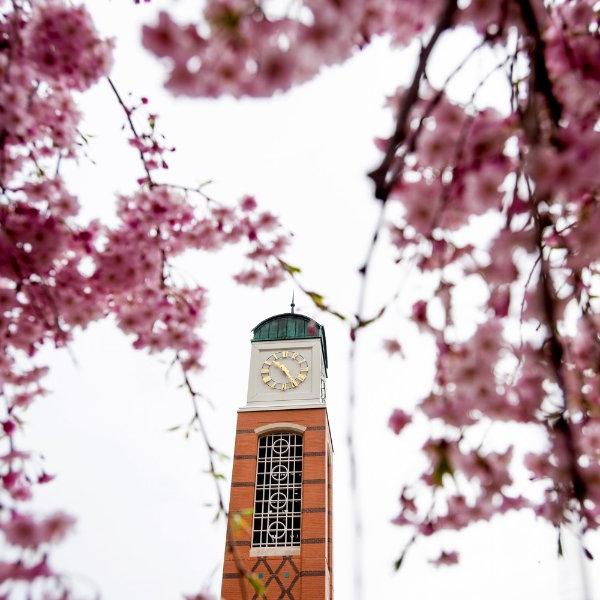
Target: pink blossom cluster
{"type": "Point", "coordinates": [452, 465]}
{"type": "Point", "coordinates": [56, 277]}
{"type": "Point", "coordinates": [244, 48]}
{"type": "Point", "coordinates": [25, 531]}
{"type": "Point", "coordinates": [534, 169]}
{"type": "Point", "coordinates": [48, 51]}
{"type": "Point", "coordinates": [150, 144]}
{"type": "Point", "coordinates": [62, 44]}
{"type": "Point", "coordinates": [59, 273]}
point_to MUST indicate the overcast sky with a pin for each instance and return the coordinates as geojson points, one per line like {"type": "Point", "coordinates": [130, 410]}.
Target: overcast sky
{"type": "Point", "coordinates": [139, 492]}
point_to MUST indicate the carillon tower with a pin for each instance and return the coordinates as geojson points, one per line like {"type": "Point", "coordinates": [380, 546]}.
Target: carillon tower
{"type": "Point", "coordinates": [281, 482]}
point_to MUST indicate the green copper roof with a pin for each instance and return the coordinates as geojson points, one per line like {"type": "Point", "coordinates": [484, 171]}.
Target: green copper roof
{"type": "Point", "coordinates": [290, 326]}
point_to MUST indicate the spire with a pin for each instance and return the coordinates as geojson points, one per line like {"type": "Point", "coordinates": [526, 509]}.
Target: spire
{"type": "Point", "coordinates": [292, 305]}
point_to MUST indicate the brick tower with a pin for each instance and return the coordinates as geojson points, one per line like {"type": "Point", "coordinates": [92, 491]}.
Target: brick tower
{"type": "Point", "coordinates": [281, 480]}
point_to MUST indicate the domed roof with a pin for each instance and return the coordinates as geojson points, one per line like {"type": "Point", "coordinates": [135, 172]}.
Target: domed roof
{"type": "Point", "coordinates": [290, 326]}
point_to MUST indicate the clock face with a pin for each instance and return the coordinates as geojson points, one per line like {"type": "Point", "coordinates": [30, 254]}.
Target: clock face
{"type": "Point", "coordinates": [284, 370]}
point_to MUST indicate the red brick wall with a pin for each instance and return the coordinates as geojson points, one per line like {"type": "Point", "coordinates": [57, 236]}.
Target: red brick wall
{"type": "Point", "coordinates": [306, 572]}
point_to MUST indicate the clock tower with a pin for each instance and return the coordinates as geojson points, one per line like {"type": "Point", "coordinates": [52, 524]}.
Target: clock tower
{"type": "Point", "coordinates": [280, 504]}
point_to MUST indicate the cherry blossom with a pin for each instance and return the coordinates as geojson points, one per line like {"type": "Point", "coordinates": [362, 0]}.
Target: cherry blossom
{"type": "Point", "coordinates": [505, 196]}
{"type": "Point", "coordinates": [392, 346]}
{"type": "Point", "coordinates": [445, 558]}
{"type": "Point", "coordinates": [57, 54]}
{"type": "Point", "coordinates": [398, 421]}
{"type": "Point", "coordinates": [59, 273]}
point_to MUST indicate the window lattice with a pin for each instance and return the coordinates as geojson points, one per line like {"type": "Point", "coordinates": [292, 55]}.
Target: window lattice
{"type": "Point", "coordinates": [277, 503]}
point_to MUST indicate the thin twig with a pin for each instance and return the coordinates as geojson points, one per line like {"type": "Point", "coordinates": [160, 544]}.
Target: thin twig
{"type": "Point", "coordinates": [211, 452]}
{"type": "Point", "coordinates": [132, 127]}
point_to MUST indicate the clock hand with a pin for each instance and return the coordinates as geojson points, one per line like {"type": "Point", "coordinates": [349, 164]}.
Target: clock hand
{"type": "Point", "coordinates": [284, 369]}
{"type": "Point", "coordinates": [280, 366]}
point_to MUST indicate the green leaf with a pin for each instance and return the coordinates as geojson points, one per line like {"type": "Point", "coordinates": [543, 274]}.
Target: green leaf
{"type": "Point", "coordinates": [259, 588]}
{"type": "Point", "coordinates": [291, 269]}
{"type": "Point", "coordinates": [442, 468]}
{"type": "Point", "coordinates": [317, 299]}
{"type": "Point", "coordinates": [239, 523]}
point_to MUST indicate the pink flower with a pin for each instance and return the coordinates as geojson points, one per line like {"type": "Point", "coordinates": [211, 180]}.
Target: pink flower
{"type": "Point", "coordinates": [499, 301]}
{"type": "Point", "coordinates": [266, 221]}
{"type": "Point", "coordinates": [482, 185]}
{"type": "Point", "coordinates": [583, 240]}
{"type": "Point", "coordinates": [539, 465]}
{"type": "Point", "coordinates": [436, 148]}
{"type": "Point", "coordinates": [273, 276]}
{"type": "Point", "coordinates": [487, 137]}
{"type": "Point", "coordinates": [422, 203]}
{"type": "Point", "coordinates": [419, 312]}
{"type": "Point", "coordinates": [64, 45]}
{"type": "Point", "coordinates": [9, 427]}
{"type": "Point", "coordinates": [445, 559]}
{"type": "Point", "coordinates": [392, 346]}
{"type": "Point", "coordinates": [248, 203]}
{"type": "Point", "coordinates": [248, 277]}
{"type": "Point", "coordinates": [486, 343]}
{"type": "Point", "coordinates": [276, 71]}
{"type": "Point", "coordinates": [56, 526]}
{"type": "Point", "coordinates": [23, 531]}
{"type": "Point", "coordinates": [398, 420]}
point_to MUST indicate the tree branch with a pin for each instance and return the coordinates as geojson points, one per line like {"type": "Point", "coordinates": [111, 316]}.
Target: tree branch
{"type": "Point", "coordinates": [380, 177]}
{"type": "Point", "coordinates": [132, 128]}
{"type": "Point", "coordinates": [541, 77]}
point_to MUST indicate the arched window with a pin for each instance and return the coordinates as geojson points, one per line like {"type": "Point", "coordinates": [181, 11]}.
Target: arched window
{"type": "Point", "coordinates": [278, 495]}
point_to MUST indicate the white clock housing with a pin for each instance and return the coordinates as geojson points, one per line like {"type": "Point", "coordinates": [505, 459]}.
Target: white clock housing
{"type": "Point", "coordinates": [296, 334]}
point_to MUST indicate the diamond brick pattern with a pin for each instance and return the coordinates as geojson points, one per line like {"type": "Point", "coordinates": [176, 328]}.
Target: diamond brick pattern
{"type": "Point", "coordinates": [275, 578]}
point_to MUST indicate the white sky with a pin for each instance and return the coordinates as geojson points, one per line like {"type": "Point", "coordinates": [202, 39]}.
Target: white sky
{"type": "Point", "coordinates": [138, 491]}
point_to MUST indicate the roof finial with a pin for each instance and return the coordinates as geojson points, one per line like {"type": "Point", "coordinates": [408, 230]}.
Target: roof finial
{"type": "Point", "coordinates": [292, 305]}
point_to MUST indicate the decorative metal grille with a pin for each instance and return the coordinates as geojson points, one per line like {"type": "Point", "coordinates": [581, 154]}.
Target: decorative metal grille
{"type": "Point", "coordinates": [278, 497]}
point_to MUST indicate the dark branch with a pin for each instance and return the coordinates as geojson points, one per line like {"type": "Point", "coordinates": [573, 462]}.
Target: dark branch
{"type": "Point", "coordinates": [380, 177]}
{"type": "Point", "coordinates": [541, 77]}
